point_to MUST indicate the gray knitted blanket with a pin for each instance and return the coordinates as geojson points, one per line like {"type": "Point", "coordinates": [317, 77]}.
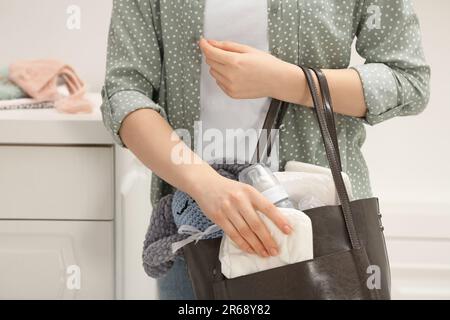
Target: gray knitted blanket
{"type": "Point", "coordinates": [162, 232]}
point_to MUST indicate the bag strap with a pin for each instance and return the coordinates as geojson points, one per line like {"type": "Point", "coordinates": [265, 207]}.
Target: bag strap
{"type": "Point", "coordinates": [273, 120]}
{"type": "Point", "coordinates": [276, 113]}
{"type": "Point", "coordinates": [324, 115]}
{"type": "Point", "coordinates": [328, 107]}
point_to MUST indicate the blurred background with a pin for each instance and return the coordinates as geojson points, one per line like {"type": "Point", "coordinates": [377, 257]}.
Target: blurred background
{"type": "Point", "coordinates": [74, 208]}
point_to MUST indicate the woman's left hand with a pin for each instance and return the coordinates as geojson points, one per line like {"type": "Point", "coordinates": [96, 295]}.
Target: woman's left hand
{"type": "Point", "coordinates": [241, 71]}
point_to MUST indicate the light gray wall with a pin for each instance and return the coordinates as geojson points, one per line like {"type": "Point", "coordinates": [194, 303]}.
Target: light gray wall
{"type": "Point", "coordinates": [408, 157]}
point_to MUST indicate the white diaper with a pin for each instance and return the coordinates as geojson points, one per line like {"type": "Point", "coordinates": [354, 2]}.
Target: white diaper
{"type": "Point", "coordinates": [311, 186]}
{"type": "Point", "coordinates": [293, 248]}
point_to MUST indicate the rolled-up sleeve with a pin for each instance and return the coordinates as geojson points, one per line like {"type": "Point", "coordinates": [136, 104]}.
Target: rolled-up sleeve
{"type": "Point", "coordinates": [395, 76]}
{"type": "Point", "coordinates": [133, 67]}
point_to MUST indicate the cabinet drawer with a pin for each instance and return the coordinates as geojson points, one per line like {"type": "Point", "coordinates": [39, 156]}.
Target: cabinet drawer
{"type": "Point", "coordinates": [56, 182]}
{"type": "Point", "coordinates": [56, 260]}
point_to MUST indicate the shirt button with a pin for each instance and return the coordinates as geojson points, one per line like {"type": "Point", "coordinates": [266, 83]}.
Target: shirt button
{"type": "Point", "coordinates": [274, 7]}
{"type": "Point", "coordinates": [276, 50]}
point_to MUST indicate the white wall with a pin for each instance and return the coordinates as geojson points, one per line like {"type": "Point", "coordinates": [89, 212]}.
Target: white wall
{"type": "Point", "coordinates": [37, 29]}
{"type": "Point", "coordinates": [408, 157]}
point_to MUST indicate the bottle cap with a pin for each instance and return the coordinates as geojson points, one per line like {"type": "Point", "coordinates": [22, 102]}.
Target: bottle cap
{"type": "Point", "coordinates": [259, 176]}
{"type": "Point", "coordinates": [275, 194]}
{"type": "Point", "coordinates": [263, 180]}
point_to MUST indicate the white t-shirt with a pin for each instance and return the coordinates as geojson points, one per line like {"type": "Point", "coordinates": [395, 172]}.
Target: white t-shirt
{"type": "Point", "coordinates": [245, 22]}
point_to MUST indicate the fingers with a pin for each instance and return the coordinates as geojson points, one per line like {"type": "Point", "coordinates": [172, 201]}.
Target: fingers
{"type": "Point", "coordinates": [267, 208]}
{"type": "Point", "coordinates": [224, 88]}
{"type": "Point", "coordinates": [220, 68]}
{"type": "Point", "coordinates": [222, 81]}
{"type": "Point", "coordinates": [258, 227]}
{"type": "Point", "coordinates": [219, 77]}
{"type": "Point", "coordinates": [236, 212]}
{"type": "Point", "coordinates": [215, 54]}
{"type": "Point", "coordinates": [234, 235]}
{"type": "Point", "coordinates": [231, 46]}
{"type": "Point", "coordinates": [247, 233]}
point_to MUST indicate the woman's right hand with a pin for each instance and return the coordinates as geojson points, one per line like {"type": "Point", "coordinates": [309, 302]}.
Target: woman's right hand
{"type": "Point", "coordinates": [230, 204]}
{"type": "Point", "coordinates": [233, 206]}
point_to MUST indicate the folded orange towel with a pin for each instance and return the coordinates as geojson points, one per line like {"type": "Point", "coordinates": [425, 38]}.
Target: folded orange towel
{"type": "Point", "coordinates": [39, 79]}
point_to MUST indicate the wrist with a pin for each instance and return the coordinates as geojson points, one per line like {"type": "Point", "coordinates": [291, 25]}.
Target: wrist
{"type": "Point", "coordinates": [199, 179]}
{"type": "Point", "coordinates": [290, 85]}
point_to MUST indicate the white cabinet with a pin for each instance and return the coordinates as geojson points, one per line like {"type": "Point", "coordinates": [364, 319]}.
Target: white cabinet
{"type": "Point", "coordinates": [57, 182]}
{"type": "Point", "coordinates": [57, 206]}
{"type": "Point", "coordinates": [56, 259]}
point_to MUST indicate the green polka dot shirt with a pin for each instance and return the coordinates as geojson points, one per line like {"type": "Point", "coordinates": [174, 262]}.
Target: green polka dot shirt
{"type": "Point", "coordinates": [154, 62]}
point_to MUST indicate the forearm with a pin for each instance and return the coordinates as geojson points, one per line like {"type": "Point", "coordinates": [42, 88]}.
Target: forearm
{"type": "Point", "coordinates": [153, 141]}
{"type": "Point", "coordinates": [345, 88]}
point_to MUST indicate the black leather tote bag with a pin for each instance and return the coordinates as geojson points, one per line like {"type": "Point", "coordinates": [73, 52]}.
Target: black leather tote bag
{"type": "Point", "coordinates": [350, 258]}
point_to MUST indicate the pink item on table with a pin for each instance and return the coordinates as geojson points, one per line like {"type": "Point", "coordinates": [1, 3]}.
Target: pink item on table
{"type": "Point", "coordinates": [39, 79]}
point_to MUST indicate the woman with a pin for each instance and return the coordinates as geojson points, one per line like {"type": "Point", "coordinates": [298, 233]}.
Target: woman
{"type": "Point", "coordinates": [162, 74]}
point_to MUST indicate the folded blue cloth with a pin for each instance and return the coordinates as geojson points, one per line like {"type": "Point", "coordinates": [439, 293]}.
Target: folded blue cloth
{"type": "Point", "coordinates": [186, 211]}
{"type": "Point", "coordinates": [8, 90]}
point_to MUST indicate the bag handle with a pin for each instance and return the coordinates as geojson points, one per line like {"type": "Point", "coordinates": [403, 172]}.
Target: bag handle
{"type": "Point", "coordinates": [276, 113]}
{"type": "Point", "coordinates": [328, 108]}
{"type": "Point", "coordinates": [273, 120]}
{"type": "Point", "coordinates": [325, 116]}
